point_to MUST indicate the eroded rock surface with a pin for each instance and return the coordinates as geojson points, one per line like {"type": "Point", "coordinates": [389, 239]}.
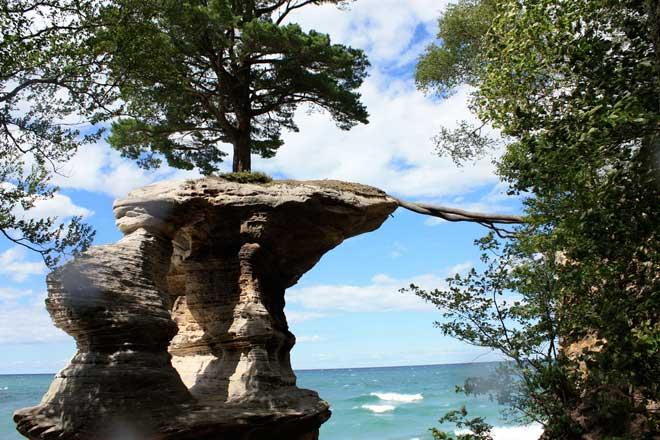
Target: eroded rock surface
{"type": "Point", "coordinates": [180, 326]}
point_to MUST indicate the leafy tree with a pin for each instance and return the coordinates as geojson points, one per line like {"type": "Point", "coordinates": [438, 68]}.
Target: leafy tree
{"type": "Point", "coordinates": [200, 73]}
{"type": "Point", "coordinates": [46, 79]}
{"type": "Point", "coordinates": [462, 30]}
{"type": "Point", "coordinates": [575, 89]}
{"type": "Point", "coordinates": [459, 61]}
{"type": "Point", "coordinates": [516, 306]}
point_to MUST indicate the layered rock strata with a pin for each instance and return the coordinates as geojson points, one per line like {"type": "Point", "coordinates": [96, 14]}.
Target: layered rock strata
{"type": "Point", "coordinates": [180, 326]}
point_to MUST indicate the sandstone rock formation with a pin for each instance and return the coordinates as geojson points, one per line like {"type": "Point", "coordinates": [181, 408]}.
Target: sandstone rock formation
{"type": "Point", "coordinates": [180, 326]}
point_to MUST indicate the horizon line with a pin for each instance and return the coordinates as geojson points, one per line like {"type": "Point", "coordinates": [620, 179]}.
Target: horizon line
{"type": "Point", "coordinates": [319, 369]}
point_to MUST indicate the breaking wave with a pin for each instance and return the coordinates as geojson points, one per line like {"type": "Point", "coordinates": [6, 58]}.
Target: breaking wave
{"type": "Point", "coordinates": [396, 397]}
{"type": "Point", "coordinates": [378, 409]}
{"type": "Point", "coordinates": [528, 432]}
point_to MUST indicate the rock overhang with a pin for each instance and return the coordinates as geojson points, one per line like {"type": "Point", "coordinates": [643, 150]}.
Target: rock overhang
{"type": "Point", "coordinates": [298, 221]}
{"type": "Point", "coordinates": [174, 202]}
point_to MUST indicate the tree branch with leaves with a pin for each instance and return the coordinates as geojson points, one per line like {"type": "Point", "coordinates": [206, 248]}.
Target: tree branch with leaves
{"type": "Point", "coordinates": [47, 75]}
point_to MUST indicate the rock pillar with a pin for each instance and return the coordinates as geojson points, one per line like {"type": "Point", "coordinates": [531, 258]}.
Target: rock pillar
{"type": "Point", "coordinates": [244, 326]}
{"type": "Point", "coordinates": [180, 326]}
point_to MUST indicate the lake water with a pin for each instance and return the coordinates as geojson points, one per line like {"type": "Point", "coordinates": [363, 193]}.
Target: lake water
{"type": "Point", "coordinates": [394, 403]}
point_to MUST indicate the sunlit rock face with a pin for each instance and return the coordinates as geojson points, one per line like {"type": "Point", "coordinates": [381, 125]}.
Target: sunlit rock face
{"type": "Point", "coordinates": [180, 325]}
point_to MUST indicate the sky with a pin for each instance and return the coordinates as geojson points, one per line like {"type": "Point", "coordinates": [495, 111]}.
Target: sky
{"type": "Point", "coordinates": [347, 311]}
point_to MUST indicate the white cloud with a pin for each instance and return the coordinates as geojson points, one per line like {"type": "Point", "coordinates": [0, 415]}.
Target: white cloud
{"type": "Point", "coordinates": [13, 264]}
{"type": "Point", "coordinates": [496, 200]}
{"type": "Point", "coordinates": [394, 151]}
{"type": "Point", "coordinates": [384, 28]}
{"type": "Point", "coordinates": [27, 324]}
{"type": "Point", "coordinates": [57, 206]}
{"type": "Point", "coordinates": [99, 168]}
{"type": "Point", "coordinates": [381, 295]}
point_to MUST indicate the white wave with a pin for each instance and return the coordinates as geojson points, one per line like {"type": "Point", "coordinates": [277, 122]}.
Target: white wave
{"type": "Point", "coordinates": [396, 397]}
{"type": "Point", "coordinates": [378, 409]}
{"type": "Point", "coordinates": [528, 432]}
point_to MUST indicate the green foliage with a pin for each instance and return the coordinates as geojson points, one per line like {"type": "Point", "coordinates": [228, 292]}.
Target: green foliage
{"type": "Point", "coordinates": [514, 306]}
{"type": "Point", "coordinates": [46, 76]}
{"type": "Point", "coordinates": [463, 143]}
{"type": "Point", "coordinates": [477, 427]}
{"type": "Point", "coordinates": [247, 177]}
{"type": "Point", "coordinates": [575, 89]}
{"type": "Point", "coordinates": [198, 74]}
{"type": "Point", "coordinates": [458, 58]}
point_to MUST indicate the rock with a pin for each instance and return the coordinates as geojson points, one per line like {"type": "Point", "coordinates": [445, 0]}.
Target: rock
{"type": "Point", "coordinates": [180, 326]}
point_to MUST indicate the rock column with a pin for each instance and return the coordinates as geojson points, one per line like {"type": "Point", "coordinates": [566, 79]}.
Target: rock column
{"type": "Point", "coordinates": [239, 305]}
{"type": "Point", "coordinates": [109, 301]}
{"type": "Point", "coordinates": [209, 259]}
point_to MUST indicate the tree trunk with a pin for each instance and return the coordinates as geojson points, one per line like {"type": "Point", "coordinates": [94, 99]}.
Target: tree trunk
{"type": "Point", "coordinates": [242, 157]}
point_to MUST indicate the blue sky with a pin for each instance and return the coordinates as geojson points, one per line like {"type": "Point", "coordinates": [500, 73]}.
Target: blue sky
{"type": "Point", "coordinates": [347, 311]}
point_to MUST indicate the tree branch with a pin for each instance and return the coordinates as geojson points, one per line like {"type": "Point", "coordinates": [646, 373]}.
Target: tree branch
{"type": "Point", "coordinates": [21, 242]}
{"type": "Point", "coordinates": [290, 8]}
{"type": "Point", "coordinates": [5, 97]}
{"type": "Point", "coordinates": [459, 215]}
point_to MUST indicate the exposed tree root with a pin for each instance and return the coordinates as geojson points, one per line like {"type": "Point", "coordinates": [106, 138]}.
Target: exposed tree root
{"type": "Point", "coordinates": [450, 214]}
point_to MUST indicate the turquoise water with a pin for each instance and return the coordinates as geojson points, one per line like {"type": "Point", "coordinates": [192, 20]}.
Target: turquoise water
{"type": "Point", "coordinates": [398, 403]}
{"type": "Point", "coordinates": [19, 391]}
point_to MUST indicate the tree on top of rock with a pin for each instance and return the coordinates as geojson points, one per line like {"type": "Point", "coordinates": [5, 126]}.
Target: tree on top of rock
{"type": "Point", "coordinates": [196, 74]}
